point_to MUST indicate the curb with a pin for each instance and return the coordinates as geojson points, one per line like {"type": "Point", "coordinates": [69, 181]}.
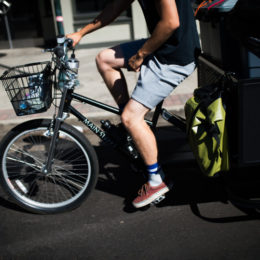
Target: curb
{"type": "Point", "coordinates": [174, 104]}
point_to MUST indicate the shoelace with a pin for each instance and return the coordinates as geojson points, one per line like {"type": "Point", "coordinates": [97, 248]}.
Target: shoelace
{"type": "Point", "coordinates": [143, 190]}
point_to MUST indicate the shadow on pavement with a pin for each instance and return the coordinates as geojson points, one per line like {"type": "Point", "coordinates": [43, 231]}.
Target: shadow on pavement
{"type": "Point", "coordinates": [9, 205]}
{"type": "Point", "coordinates": [2, 54]}
{"type": "Point", "coordinates": [118, 177]}
{"type": "Point", "coordinates": [2, 65]}
{"type": "Point", "coordinates": [191, 187]}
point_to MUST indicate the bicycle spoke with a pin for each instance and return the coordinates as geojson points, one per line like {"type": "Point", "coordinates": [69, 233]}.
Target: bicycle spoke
{"type": "Point", "coordinates": [68, 172]}
{"type": "Point", "coordinates": [58, 187]}
{"type": "Point", "coordinates": [73, 155]}
{"type": "Point", "coordinates": [69, 181]}
{"type": "Point", "coordinates": [35, 167]}
{"type": "Point", "coordinates": [73, 181]}
{"type": "Point", "coordinates": [27, 154]}
{"type": "Point", "coordinates": [66, 183]}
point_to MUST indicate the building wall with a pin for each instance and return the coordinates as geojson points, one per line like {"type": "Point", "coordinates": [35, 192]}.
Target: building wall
{"type": "Point", "coordinates": [27, 23]}
{"type": "Point", "coordinates": [123, 29]}
{"type": "Point", "coordinates": [39, 25]}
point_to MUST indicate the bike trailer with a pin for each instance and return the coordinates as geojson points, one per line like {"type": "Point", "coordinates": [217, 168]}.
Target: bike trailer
{"type": "Point", "coordinates": [206, 129]}
{"type": "Point", "coordinates": [230, 35]}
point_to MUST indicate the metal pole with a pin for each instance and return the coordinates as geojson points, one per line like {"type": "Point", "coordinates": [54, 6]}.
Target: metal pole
{"type": "Point", "coordinates": [54, 17]}
{"type": "Point", "coordinates": [59, 17]}
{"type": "Point", "coordinates": [8, 32]}
{"type": "Point", "coordinates": [4, 8]}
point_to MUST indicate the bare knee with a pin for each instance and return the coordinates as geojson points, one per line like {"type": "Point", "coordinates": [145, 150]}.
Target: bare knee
{"type": "Point", "coordinates": [126, 119]}
{"type": "Point", "coordinates": [102, 60]}
{"type": "Point", "coordinates": [130, 119]}
{"type": "Point", "coordinates": [133, 114]}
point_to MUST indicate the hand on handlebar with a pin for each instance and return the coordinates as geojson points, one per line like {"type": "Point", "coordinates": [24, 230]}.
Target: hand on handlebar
{"type": "Point", "coordinates": [76, 37]}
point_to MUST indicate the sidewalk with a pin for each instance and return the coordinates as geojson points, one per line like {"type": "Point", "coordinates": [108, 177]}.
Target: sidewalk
{"type": "Point", "coordinates": [91, 84]}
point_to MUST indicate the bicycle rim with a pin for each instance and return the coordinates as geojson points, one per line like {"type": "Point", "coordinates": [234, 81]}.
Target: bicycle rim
{"type": "Point", "coordinates": [22, 164]}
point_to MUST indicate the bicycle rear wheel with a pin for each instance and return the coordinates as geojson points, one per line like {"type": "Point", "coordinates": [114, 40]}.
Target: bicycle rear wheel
{"type": "Point", "coordinates": [23, 152]}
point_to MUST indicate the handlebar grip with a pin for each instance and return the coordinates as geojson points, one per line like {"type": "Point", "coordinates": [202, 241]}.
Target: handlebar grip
{"type": "Point", "coordinates": [60, 50]}
{"type": "Point", "coordinates": [69, 42]}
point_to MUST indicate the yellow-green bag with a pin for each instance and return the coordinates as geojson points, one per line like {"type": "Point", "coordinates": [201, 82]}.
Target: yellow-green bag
{"type": "Point", "coordinates": [206, 129]}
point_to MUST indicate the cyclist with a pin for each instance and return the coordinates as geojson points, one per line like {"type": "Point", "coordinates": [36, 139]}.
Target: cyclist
{"type": "Point", "coordinates": [164, 59]}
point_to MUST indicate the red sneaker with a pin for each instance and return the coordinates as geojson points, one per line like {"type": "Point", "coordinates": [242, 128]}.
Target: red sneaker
{"type": "Point", "coordinates": [148, 194]}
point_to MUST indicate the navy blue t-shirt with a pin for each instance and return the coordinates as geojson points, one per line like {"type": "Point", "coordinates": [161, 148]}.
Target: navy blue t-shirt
{"type": "Point", "coordinates": [183, 46]}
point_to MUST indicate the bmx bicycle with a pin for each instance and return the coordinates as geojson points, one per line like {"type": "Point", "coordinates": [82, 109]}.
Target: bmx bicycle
{"type": "Point", "coordinates": [48, 166]}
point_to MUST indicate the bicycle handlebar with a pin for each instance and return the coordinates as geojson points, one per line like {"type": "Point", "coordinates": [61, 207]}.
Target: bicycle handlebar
{"type": "Point", "coordinates": [64, 44]}
{"type": "Point", "coordinates": [67, 67]}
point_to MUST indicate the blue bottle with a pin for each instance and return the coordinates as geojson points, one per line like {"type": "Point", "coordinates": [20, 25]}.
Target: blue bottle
{"type": "Point", "coordinates": [22, 105]}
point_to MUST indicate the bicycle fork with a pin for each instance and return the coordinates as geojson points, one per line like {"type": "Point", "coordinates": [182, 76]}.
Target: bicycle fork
{"type": "Point", "coordinates": [56, 122]}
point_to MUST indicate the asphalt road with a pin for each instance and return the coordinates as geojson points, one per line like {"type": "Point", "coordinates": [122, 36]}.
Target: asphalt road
{"type": "Point", "coordinates": [195, 221]}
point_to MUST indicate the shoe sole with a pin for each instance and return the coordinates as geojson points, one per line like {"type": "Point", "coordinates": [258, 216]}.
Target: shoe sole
{"type": "Point", "coordinates": [152, 198]}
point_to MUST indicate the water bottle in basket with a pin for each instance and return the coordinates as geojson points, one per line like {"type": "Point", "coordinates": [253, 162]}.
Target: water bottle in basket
{"type": "Point", "coordinates": [35, 95]}
{"type": "Point", "coordinates": [23, 105]}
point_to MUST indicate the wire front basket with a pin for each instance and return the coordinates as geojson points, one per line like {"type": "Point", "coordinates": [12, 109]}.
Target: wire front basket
{"type": "Point", "coordinates": [29, 87]}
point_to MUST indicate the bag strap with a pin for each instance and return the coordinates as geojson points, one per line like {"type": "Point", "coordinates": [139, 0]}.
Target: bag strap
{"type": "Point", "coordinates": [202, 104]}
{"type": "Point", "coordinates": [214, 131]}
{"type": "Point", "coordinates": [217, 3]}
{"type": "Point", "coordinates": [202, 4]}
{"type": "Point", "coordinates": [207, 2]}
{"type": "Point", "coordinates": [211, 129]}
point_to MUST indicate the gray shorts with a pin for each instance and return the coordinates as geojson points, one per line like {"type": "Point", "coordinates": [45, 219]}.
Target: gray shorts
{"type": "Point", "coordinates": [156, 81]}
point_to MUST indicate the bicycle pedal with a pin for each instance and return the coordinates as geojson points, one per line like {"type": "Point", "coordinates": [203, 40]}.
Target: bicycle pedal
{"type": "Point", "coordinates": [158, 200]}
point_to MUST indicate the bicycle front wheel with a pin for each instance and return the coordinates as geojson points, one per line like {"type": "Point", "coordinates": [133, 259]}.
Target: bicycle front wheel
{"type": "Point", "coordinates": [74, 171]}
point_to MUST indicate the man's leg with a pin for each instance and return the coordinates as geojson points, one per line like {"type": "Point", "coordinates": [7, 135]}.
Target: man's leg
{"type": "Point", "coordinates": [109, 63]}
{"type": "Point", "coordinates": [133, 119]}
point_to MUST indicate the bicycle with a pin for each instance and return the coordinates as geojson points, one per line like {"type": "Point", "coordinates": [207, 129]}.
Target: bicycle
{"type": "Point", "coordinates": [48, 166]}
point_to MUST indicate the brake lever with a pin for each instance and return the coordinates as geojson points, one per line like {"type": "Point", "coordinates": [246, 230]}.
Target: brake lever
{"type": "Point", "coordinates": [48, 50]}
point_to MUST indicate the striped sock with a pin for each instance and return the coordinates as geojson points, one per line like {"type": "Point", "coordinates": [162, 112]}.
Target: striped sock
{"type": "Point", "coordinates": [155, 174]}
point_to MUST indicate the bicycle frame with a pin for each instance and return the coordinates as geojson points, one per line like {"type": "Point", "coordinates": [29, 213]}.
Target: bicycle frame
{"type": "Point", "coordinates": [179, 122]}
{"type": "Point", "coordinates": [65, 107]}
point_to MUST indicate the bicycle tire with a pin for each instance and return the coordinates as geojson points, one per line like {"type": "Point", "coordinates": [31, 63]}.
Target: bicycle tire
{"type": "Point", "coordinates": [74, 173]}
